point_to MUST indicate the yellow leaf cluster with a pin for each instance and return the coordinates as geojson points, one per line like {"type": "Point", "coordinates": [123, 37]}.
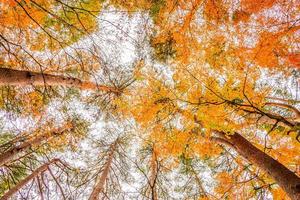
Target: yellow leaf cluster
{"type": "Point", "coordinates": [225, 181]}
{"type": "Point", "coordinates": [256, 6]}
{"type": "Point", "coordinates": [15, 16]}
{"type": "Point", "coordinates": [33, 103]}
{"type": "Point", "coordinates": [214, 10]}
{"type": "Point", "coordinates": [279, 194]}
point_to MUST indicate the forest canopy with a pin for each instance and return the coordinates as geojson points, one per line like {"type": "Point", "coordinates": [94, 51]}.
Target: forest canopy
{"type": "Point", "coordinates": [149, 99]}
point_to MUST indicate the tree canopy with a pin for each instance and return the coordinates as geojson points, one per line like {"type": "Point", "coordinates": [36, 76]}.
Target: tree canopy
{"type": "Point", "coordinates": [150, 99]}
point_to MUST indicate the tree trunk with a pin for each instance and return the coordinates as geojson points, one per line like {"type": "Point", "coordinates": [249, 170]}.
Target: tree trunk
{"type": "Point", "coordinates": [285, 178]}
{"type": "Point", "coordinates": [286, 106]}
{"type": "Point", "coordinates": [153, 175]}
{"type": "Point", "coordinates": [8, 155]}
{"type": "Point", "coordinates": [23, 182]}
{"type": "Point", "coordinates": [21, 78]}
{"type": "Point", "coordinates": [199, 182]}
{"type": "Point", "coordinates": [98, 188]}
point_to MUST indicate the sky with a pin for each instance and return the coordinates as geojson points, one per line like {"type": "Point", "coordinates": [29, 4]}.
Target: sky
{"type": "Point", "coordinates": [124, 36]}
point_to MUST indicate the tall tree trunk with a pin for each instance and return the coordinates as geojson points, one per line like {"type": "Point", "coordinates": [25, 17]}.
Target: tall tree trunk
{"type": "Point", "coordinates": [22, 78]}
{"type": "Point", "coordinates": [8, 155]}
{"type": "Point", "coordinates": [153, 175]}
{"type": "Point", "coordinates": [98, 188]}
{"type": "Point", "coordinates": [285, 178]}
{"type": "Point", "coordinates": [286, 106]}
{"type": "Point", "coordinates": [199, 182]}
{"type": "Point", "coordinates": [283, 100]}
{"type": "Point", "coordinates": [23, 182]}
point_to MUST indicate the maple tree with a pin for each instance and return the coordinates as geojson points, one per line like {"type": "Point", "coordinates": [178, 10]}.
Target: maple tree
{"type": "Point", "coordinates": [211, 83]}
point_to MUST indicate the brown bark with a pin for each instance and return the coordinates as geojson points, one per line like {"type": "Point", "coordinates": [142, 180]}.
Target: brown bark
{"type": "Point", "coordinates": [286, 106]}
{"type": "Point", "coordinates": [285, 178]}
{"type": "Point", "coordinates": [8, 155]}
{"type": "Point", "coordinates": [23, 182]}
{"type": "Point", "coordinates": [21, 78]}
{"type": "Point", "coordinates": [100, 183]}
{"type": "Point", "coordinates": [153, 175]}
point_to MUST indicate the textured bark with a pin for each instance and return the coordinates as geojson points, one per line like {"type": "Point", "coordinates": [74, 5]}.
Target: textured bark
{"type": "Point", "coordinates": [286, 106]}
{"type": "Point", "coordinates": [8, 155]}
{"type": "Point", "coordinates": [100, 183]}
{"type": "Point", "coordinates": [23, 182]}
{"type": "Point", "coordinates": [153, 175]}
{"type": "Point", "coordinates": [285, 178]}
{"type": "Point", "coordinates": [21, 78]}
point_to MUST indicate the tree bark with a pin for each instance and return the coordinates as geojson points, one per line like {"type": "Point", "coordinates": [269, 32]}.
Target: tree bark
{"type": "Point", "coordinates": [153, 175]}
{"type": "Point", "coordinates": [21, 78]}
{"type": "Point", "coordinates": [23, 182]}
{"type": "Point", "coordinates": [285, 178]}
{"type": "Point", "coordinates": [286, 106]}
{"type": "Point", "coordinates": [8, 155]}
{"type": "Point", "coordinates": [98, 188]}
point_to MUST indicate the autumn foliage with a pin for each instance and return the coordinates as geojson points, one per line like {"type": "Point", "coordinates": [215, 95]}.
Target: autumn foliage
{"type": "Point", "coordinates": [160, 99]}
